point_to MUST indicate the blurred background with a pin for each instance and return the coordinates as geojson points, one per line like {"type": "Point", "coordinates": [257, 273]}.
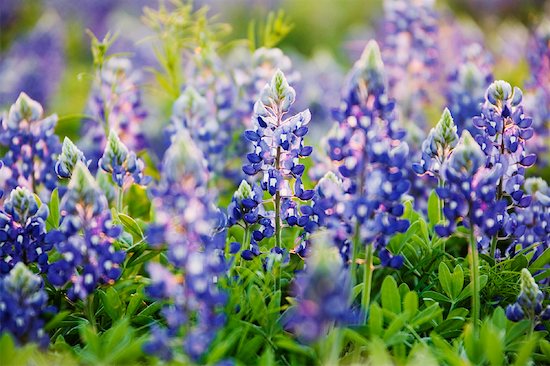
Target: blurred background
{"type": "Point", "coordinates": [45, 50]}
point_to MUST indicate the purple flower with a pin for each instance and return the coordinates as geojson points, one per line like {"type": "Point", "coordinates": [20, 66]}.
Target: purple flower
{"type": "Point", "coordinates": [23, 231]}
{"type": "Point", "coordinates": [322, 294]}
{"type": "Point", "coordinates": [85, 238]}
{"type": "Point", "coordinates": [66, 161]}
{"type": "Point", "coordinates": [370, 155]}
{"type": "Point", "coordinates": [32, 147]}
{"type": "Point", "coordinates": [529, 302]}
{"type": "Point", "coordinates": [123, 165]}
{"type": "Point", "coordinates": [114, 104]}
{"type": "Point", "coordinates": [193, 229]}
{"type": "Point", "coordinates": [23, 301]}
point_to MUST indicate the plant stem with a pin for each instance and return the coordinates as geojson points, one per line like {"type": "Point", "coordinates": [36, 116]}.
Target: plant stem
{"type": "Point", "coordinates": [120, 197]}
{"type": "Point", "coordinates": [355, 254]}
{"type": "Point", "coordinates": [89, 310]}
{"type": "Point", "coordinates": [474, 274]}
{"type": "Point", "coordinates": [278, 230]}
{"type": "Point", "coordinates": [367, 280]}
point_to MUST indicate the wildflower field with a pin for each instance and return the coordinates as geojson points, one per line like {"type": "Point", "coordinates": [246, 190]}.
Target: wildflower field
{"type": "Point", "coordinates": [274, 182]}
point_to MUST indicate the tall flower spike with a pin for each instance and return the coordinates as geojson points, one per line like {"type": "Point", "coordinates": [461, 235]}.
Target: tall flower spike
{"type": "Point", "coordinates": [192, 228]}
{"type": "Point", "coordinates": [115, 104]}
{"type": "Point", "coordinates": [193, 112]}
{"type": "Point", "coordinates": [529, 303]}
{"type": "Point", "coordinates": [66, 161]}
{"type": "Point", "coordinates": [23, 231]}
{"type": "Point", "coordinates": [323, 293]}
{"type": "Point", "coordinates": [23, 301]}
{"type": "Point", "coordinates": [124, 166]}
{"type": "Point", "coordinates": [370, 155]}
{"type": "Point", "coordinates": [438, 146]}
{"type": "Point", "coordinates": [85, 238]}
{"type": "Point", "coordinates": [277, 143]}
{"type": "Point", "coordinates": [32, 147]}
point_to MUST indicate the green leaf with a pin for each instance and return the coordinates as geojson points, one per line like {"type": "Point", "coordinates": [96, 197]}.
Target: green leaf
{"type": "Point", "coordinates": [111, 303]}
{"type": "Point", "coordinates": [131, 226]}
{"type": "Point", "coordinates": [53, 217]}
{"type": "Point", "coordinates": [427, 315]}
{"type": "Point", "coordinates": [135, 301]}
{"type": "Point", "coordinates": [541, 261]}
{"type": "Point", "coordinates": [445, 280]}
{"type": "Point", "coordinates": [433, 209]}
{"type": "Point", "coordinates": [376, 320]}
{"type": "Point", "coordinates": [54, 322]}
{"type": "Point", "coordinates": [410, 303]}
{"type": "Point", "coordinates": [467, 291]}
{"type": "Point", "coordinates": [435, 296]}
{"type": "Point", "coordinates": [391, 300]}
{"type": "Point", "coordinates": [457, 281]}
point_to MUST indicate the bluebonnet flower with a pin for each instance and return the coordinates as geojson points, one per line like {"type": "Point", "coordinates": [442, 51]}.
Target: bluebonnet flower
{"type": "Point", "coordinates": [23, 301]}
{"type": "Point", "coordinates": [193, 230]}
{"type": "Point", "coordinates": [85, 238]}
{"type": "Point", "coordinates": [123, 165]}
{"type": "Point", "coordinates": [467, 83]}
{"type": "Point", "coordinates": [66, 161]}
{"type": "Point", "coordinates": [529, 303]}
{"type": "Point", "coordinates": [32, 147]}
{"type": "Point", "coordinates": [323, 294]}
{"type": "Point", "coordinates": [438, 146]}
{"type": "Point", "coordinates": [277, 149]}
{"type": "Point", "coordinates": [34, 64]}
{"type": "Point", "coordinates": [537, 88]}
{"type": "Point", "coordinates": [195, 113]}
{"type": "Point", "coordinates": [23, 231]}
{"type": "Point", "coordinates": [369, 152]}
{"type": "Point", "coordinates": [114, 104]}
{"type": "Point", "coordinates": [409, 39]}
{"type": "Point", "coordinates": [531, 225]}
{"type": "Point", "coordinates": [470, 188]}
{"type": "Point", "coordinates": [254, 72]}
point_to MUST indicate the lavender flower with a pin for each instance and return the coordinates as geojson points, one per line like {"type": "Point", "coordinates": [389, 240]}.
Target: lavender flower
{"type": "Point", "coordinates": [66, 161]}
{"type": "Point", "coordinates": [531, 225]}
{"type": "Point", "coordinates": [85, 238]}
{"type": "Point", "coordinates": [438, 146]}
{"type": "Point", "coordinates": [32, 147]}
{"type": "Point", "coordinates": [466, 87]}
{"type": "Point", "coordinates": [323, 294]}
{"type": "Point", "coordinates": [123, 165]}
{"type": "Point", "coordinates": [277, 149]}
{"type": "Point", "coordinates": [23, 301]}
{"type": "Point", "coordinates": [411, 53]}
{"type": "Point", "coordinates": [195, 113]}
{"type": "Point", "coordinates": [537, 93]}
{"type": "Point", "coordinates": [369, 152]}
{"type": "Point", "coordinates": [529, 303]}
{"type": "Point", "coordinates": [469, 193]}
{"type": "Point", "coordinates": [115, 104]}
{"type": "Point", "coordinates": [23, 231]}
{"type": "Point", "coordinates": [34, 64]}
{"type": "Point", "coordinates": [193, 230]}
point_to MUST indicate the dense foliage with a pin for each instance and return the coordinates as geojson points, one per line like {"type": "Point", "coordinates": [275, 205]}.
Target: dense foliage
{"type": "Point", "coordinates": [220, 207]}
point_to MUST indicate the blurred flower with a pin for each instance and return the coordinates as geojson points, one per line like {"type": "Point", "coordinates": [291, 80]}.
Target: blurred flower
{"type": "Point", "coordinates": [32, 147]}
{"type": "Point", "coordinates": [529, 303]}
{"type": "Point", "coordinates": [124, 166]}
{"type": "Point", "coordinates": [85, 238]}
{"type": "Point", "coordinates": [34, 64]}
{"type": "Point", "coordinates": [323, 295]}
{"type": "Point", "coordinates": [465, 90]}
{"type": "Point", "coordinates": [23, 301]}
{"type": "Point", "coordinates": [370, 156]}
{"type": "Point", "coordinates": [23, 231]}
{"type": "Point", "coordinates": [194, 231]}
{"type": "Point", "coordinates": [531, 225]}
{"type": "Point", "coordinates": [115, 104]}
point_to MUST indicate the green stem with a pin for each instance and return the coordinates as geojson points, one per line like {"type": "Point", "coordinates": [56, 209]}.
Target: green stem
{"type": "Point", "coordinates": [89, 311]}
{"type": "Point", "coordinates": [474, 274]}
{"type": "Point", "coordinates": [333, 343]}
{"type": "Point", "coordinates": [367, 280]}
{"type": "Point", "coordinates": [278, 225]}
{"type": "Point", "coordinates": [120, 199]}
{"type": "Point", "coordinates": [355, 254]}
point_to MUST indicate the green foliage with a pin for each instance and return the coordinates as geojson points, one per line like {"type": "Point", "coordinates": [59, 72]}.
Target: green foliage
{"type": "Point", "coordinates": [270, 32]}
